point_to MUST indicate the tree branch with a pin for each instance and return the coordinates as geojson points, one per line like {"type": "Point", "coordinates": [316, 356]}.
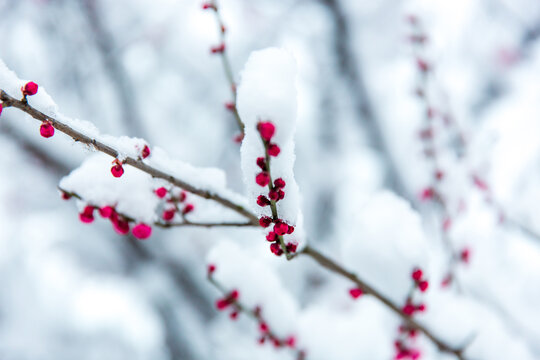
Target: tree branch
{"type": "Point", "coordinates": [8, 101]}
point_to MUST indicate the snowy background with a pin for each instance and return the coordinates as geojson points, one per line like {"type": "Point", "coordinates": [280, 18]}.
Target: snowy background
{"type": "Point", "coordinates": [143, 68]}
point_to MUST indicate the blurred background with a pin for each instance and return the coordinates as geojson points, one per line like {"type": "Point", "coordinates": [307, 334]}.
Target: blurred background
{"type": "Point", "coordinates": [144, 68]}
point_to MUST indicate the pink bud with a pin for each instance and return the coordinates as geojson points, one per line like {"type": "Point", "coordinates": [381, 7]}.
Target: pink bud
{"type": "Point", "coordinates": [46, 129]}
{"type": "Point", "coordinates": [356, 293]}
{"type": "Point", "coordinates": [106, 212]}
{"type": "Point", "coordinates": [273, 150]}
{"type": "Point", "coordinates": [265, 221]}
{"type": "Point", "coordinates": [267, 130]}
{"type": "Point", "coordinates": [117, 170]}
{"type": "Point", "coordinates": [168, 215]}
{"type": "Point", "coordinates": [417, 274]}
{"type": "Point", "coordinates": [262, 179]}
{"type": "Point", "coordinates": [31, 88]}
{"type": "Point", "coordinates": [161, 192]}
{"type": "Point", "coordinates": [145, 152]}
{"type": "Point", "coordinates": [142, 231]}
{"type": "Point", "coordinates": [87, 216]}
{"type": "Point", "coordinates": [188, 208]}
{"type": "Point", "coordinates": [423, 285]}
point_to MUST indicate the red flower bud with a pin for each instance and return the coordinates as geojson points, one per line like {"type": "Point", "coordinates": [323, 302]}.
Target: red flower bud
{"type": "Point", "coordinates": [356, 293]}
{"type": "Point", "coordinates": [168, 215]}
{"type": "Point", "coordinates": [106, 212]}
{"type": "Point", "coordinates": [145, 152]}
{"type": "Point", "coordinates": [142, 231]}
{"type": "Point", "coordinates": [417, 274]}
{"type": "Point", "coordinates": [261, 162]}
{"type": "Point", "coordinates": [279, 183]}
{"type": "Point", "coordinates": [273, 150]}
{"type": "Point", "coordinates": [265, 221]}
{"type": "Point", "coordinates": [161, 192]}
{"type": "Point", "coordinates": [262, 179]}
{"type": "Point", "coordinates": [272, 236]}
{"type": "Point", "coordinates": [423, 285]}
{"type": "Point", "coordinates": [281, 228]}
{"type": "Point", "coordinates": [188, 208]}
{"type": "Point", "coordinates": [275, 248]}
{"type": "Point", "coordinates": [46, 129]}
{"type": "Point", "coordinates": [117, 170]}
{"type": "Point", "coordinates": [87, 216]}
{"type": "Point", "coordinates": [263, 200]}
{"type": "Point", "coordinates": [267, 130]}
{"type": "Point", "coordinates": [30, 88]}
{"type": "Point", "coordinates": [219, 49]}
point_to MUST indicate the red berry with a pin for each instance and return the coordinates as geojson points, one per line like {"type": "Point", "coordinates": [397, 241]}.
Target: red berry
{"type": "Point", "coordinates": [65, 195]}
{"type": "Point", "coordinates": [208, 5]}
{"type": "Point", "coordinates": [261, 340]}
{"type": "Point", "coordinates": [87, 216]}
{"type": "Point", "coordinates": [106, 212]}
{"type": "Point", "coordinates": [273, 150]}
{"type": "Point", "coordinates": [234, 315]}
{"type": "Point", "coordinates": [356, 293]}
{"type": "Point", "coordinates": [238, 138]}
{"type": "Point", "coordinates": [267, 130]}
{"type": "Point", "coordinates": [117, 170]}
{"type": "Point", "coordinates": [408, 309]}
{"type": "Point", "coordinates": [168, 215]}
{"type": "Point", "coordinates": [276, 249]}
{"type": "Point", "coordinates": [142, 231]}
{"type": "Point", "coordinates": [265, 221]}
{"type": "Point", "coordinates": [1, 108]}
{"type": "Point", "coordinates": [277, 343]}
{"type": "Point", "coordinates": [30, 88]}
{"type": "Point", "coordinates": [273, 195]}
{"type": "Point", "coordinates": [280, 228]}
{"type": "Point", "coordinates": [211, 269]}
{"type": "Point", "coordinates": [188, 208]}
{"type": "Point", "coordinates": [422, 65]}
{"type": "Point", "coordinates": [291, 341]}
{"type": "Point", "coordinates": [447, 224]}
{"type": "Point", "coordinates": [263, 327]}
{"type": "Point", "coordinates": [145, 152]}
{"type": "Point", "coordinates": [182, 197]}
{"type": "Point", "coordinates": [121, 226]}
{"type": "Point", "coordinates": [234, 294]}
{"type": "Point", "coordinates": [465, 255]}
{"type": "Point", "coordinates": [423, 285]}
{"type": "Point", "coordinates": [222, 304]}
{"type": "Point", "coordinates": [261, 162]}
{"type": "Point", "coordinates": [46, 129]}
{"type": "Point", "coordinates": [279, 183]}
{"type": "Point", "coordinates": [161, 192]}
{"type": "Point", "coordinates": [219, 49]}
{"type": "Point", "coordinates": [281, 194]}
{"type": "Point", "coordinates": [262, 179]}
{"type": "Point", "coordinates": [272, 236]}
{"type": "Point", "coordinates": [427, 194]}
{"type": "Point", "coordinates": [230, 106]}
{"type": "Point", "coordinates": [421, 307]}
{"type": "Point", "coordinates": [417, 274]}
{"type": "Point", "coordinates": [291, 247]}
{"type": "Point", "coordinates": [290, 230]}
{"type": "Point", "coordinates": [263, 200]}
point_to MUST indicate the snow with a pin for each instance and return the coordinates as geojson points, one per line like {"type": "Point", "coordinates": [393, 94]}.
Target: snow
{"type": "Point", "coordinates": [267, 92]}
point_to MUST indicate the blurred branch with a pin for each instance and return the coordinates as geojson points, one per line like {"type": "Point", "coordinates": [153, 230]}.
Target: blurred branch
{"type": "Point", "coordinates": [8, 101]}
{"type": "Point", "coordinates": [225, 60]}
{"type": "Point", "coordinates": [349, 66]}
{"type": "Point", "coordinates": [119, 77]}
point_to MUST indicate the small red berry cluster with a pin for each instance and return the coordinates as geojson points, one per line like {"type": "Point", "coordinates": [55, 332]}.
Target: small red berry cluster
{"type": "Point", "coordinates": [120, 222]}
{"type": "Point", "coordinates": [117, 170]}
{"type": "Point", "coordinates": [231, 300]}
{"type": "Point", "coordinates": [404, 344]}
{"type": "Point", "coordinates": [275, 193]}
{"type": "Point", "coordinates": [176, 203]}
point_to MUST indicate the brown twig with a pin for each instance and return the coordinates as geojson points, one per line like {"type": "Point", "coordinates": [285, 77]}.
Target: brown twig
{"type": "Point", "coordinates": [331, 265]}
{"type": "Point", "coordinates": [9, 101]}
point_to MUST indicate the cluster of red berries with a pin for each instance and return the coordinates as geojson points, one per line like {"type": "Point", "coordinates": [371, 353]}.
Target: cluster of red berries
{"type": "Point", "coordinates": [174, 203]}
{"type": "Point", "coordinates": [231, 300]}
{"type": "Point", "coordinates": [117, 170]}
{"type": "Point", "coordinates": [403, 345]}
{"type": "Point", "coordinates": [275, 193]}
{"type": "Point", "coordinates": [120, 223]}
